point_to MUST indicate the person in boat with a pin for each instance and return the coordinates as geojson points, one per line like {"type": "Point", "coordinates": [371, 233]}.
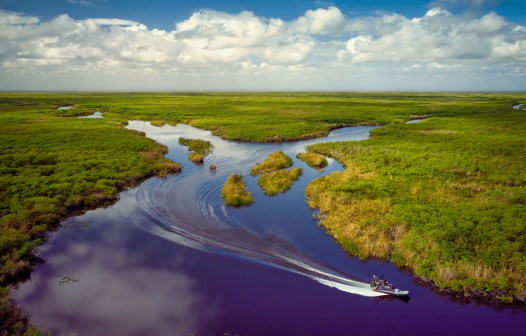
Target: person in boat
{"type": "Point", "coordinates": [373, 282]}
{"type": "Point", "coordinates": [378, 283]}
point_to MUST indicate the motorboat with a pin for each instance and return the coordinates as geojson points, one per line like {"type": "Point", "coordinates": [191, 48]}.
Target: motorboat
{"type": "Point", "coordinates": [383, 286]}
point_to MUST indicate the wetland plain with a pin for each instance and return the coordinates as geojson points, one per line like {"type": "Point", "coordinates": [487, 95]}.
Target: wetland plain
{"type": "Point", "coordinates": [451, 186]}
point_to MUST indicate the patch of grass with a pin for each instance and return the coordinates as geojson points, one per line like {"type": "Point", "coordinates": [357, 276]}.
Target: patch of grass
{"type": "Point", "coordinates": [445, 197]}
{"type": "Point", "coordinates": [279, 181]}
{"type": "Point", "coordinates": [200, 149]}
{"type": "Point", "coordinates": [197, 145]}
{"type": "Point", "coordinates": [275, 161]}
{"type": "Point", "coordinates": [314, 160]}
{"type": "Point", "coordinates": [196, 157]}
{"type": "Point", "coordinates": [234, 191]}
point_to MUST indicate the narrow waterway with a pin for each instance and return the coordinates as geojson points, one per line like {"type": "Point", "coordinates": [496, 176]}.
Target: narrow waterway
{"type": "Point", "coordinates": [169, 258]}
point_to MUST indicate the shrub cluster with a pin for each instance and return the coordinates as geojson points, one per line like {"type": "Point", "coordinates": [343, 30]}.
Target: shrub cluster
{"type": "Point", "coordinates": [199, 148]}
{"type": "Point", "coordinates": [279, 181]}
{"type": "Point", "coordinates": [445, 197]}
{"type": "Point", "coordinates": [234, 191]}
{"type": "Point", "coordinates": [275, 161]}
{"type": "Point", "coordinates": [314, 160]}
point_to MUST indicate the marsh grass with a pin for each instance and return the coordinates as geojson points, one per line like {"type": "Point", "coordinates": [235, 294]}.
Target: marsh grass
{"type": "Point", "coordinates": [196, 157]}
{"type": "Point", "coordinates": [275, 161]}
{"type": "Point", "coordinates": [445, 198]}
{"type": "Point", "coordinates": [266, 117]}
{"type": "Point", "coordinates": [197, 145]}
{"type": "Point", "coordinates": [279, 181]}
{"type": "Point", "coordinates": [234, 191]}
{"type": "Point", "coordinates": [200, 148]}
{"type": "Point", "coordinates": [314, 160]}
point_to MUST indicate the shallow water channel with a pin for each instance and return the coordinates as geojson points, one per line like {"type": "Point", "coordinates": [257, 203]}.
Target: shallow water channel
{"type": "Point", "coordinates": [169, 258]}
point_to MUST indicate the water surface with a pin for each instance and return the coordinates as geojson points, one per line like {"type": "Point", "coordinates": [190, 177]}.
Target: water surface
{"type": "Point", "coordinates": [94, 115]}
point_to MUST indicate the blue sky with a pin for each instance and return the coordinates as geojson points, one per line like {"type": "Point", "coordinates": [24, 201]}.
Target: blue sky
{"type": "Point", "coordinates": [263, 45]}
{"type": "Point", "coordinates": [162, 14]}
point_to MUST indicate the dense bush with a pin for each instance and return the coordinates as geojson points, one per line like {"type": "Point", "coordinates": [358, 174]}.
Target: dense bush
{"type": "Point", "coordinates": [234, 191]}
{"type": "Point", "coordinates": [314, 160]}
{"type": "Point", "coordinates": [452, 194]}
{"type": "Point", "coordinates": [278, 181]}
{"type": "Point", "coordinates": [200, 149]}
{"type": "Point", "coordinates": [275, 161]}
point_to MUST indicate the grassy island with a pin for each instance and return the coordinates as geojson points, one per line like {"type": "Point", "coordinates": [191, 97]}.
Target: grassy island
{"type": "Point", "coordinates": [279, 181]}
{"type": "Point", "coordinates": [445, 197]}
{"type": "Point", "coordinates": [275, 161]}
{"type": "Point", "coordinates": [234, 191]}
{"type": "Point", "coordinates": [200, 148]}
{"type": "Point", "coordinates": [314, 160]}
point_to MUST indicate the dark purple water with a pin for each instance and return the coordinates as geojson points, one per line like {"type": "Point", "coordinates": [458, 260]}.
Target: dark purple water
{"type": "Point", "coordinates": [170, 259]}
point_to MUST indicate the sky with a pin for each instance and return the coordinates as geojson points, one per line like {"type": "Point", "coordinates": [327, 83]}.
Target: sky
{"type": "Point", "coordinates": [204, 45]}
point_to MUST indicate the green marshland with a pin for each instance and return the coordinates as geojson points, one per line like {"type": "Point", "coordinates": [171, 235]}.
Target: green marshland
{"type": "Point", "coordinates": [444, 197]}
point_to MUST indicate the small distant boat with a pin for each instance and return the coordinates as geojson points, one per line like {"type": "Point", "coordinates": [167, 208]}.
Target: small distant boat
{"type": "Point", "coordinates": [381, 285]}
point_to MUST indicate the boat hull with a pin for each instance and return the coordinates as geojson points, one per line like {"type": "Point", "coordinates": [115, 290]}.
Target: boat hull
{"type": "Point", "coordinates": [396, 292]}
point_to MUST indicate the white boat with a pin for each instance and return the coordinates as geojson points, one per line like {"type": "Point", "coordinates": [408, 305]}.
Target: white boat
{"type": "Point", "coordinates": [395, 292]}
{"type": "Point", "coordinates": [381, 285]}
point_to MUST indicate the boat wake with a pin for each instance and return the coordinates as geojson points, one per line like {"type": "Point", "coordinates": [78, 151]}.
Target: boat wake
{"type": "Point", "coordinates": [189, 204]}
{"type": "Point", "coordinates": [172, 206]}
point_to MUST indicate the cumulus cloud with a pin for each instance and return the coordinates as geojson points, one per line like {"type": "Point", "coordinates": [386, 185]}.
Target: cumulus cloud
{"type": "Point", "coordinates": [440, 37]}
{"type": "Point", "coordinates": [213, 42]}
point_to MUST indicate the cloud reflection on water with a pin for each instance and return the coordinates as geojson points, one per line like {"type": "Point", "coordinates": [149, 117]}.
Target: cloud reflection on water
{"type": "Point", "coordinates": [121, 291]}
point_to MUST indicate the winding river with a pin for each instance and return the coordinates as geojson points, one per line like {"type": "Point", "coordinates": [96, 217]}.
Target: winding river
{"type": "Point", "coordinates": [169, 258]}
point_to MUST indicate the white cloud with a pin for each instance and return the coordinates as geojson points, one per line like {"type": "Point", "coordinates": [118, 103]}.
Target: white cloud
{"type": "Point", "coordinates": [212, 43]}
{"type": "Point", "coordinates": [440, 37]}
{"type": "Point", "coordinates": [11, 18]}
{"type": "Point", "coordinates": [414, 66]}
{"type": "Point", "coordinates": [320, 21]}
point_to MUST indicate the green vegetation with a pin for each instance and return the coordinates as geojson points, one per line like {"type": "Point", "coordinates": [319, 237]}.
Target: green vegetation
{"type": "Point", "coordinates": [234, 191]}
{"type": "Point", "coordinates": [445, 197]}
{"type": "Point", "coordinates": [200, 149]}
{"type": "Point", "coordinates": [197, 145]}
{"type": "Point", "coordinates": [51, 164]}
{"type": "Point", "coordinates": [278, 181]}
{"type": "Point", "coordinates": [196, 157]}
{"type": "Point", "coordinates": [314, 160]}
{"type": "Point", "coordinates": [275, 161]}
{"type": "Point", "coordinates": [265, 116]}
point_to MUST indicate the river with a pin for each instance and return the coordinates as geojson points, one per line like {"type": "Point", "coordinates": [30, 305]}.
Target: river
{"type": "Point", "coordinates": [169, 258]}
